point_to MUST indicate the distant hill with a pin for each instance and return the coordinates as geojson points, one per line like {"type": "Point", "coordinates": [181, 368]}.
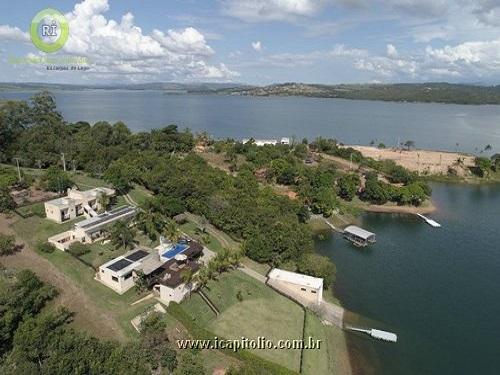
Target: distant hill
{"type": "Point", "coordinates": [433, 92]}
{"type": "Point", "coordinates": [404, 92]}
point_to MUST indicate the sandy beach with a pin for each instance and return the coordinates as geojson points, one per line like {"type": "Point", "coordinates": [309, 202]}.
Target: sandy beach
{"type": "Point", "coordinates": [422, 161]}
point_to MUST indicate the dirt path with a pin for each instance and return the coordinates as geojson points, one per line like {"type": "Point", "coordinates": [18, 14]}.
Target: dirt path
{"type": "Point", "coordinates": [72, 297]}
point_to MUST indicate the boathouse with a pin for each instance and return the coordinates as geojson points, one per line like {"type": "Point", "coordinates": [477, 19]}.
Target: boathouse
{"type": "Point", "coordinates": [359, 236]}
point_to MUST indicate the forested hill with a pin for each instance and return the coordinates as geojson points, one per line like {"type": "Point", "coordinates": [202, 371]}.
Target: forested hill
{"type": "Point", "coordinates": [404, 92]}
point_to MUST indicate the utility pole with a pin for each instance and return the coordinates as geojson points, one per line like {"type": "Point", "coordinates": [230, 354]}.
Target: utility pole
{"type": "Point", "coordinates": [18, 170]}
{"type": "Point", "coordinates": [350, 162]}
{"type": "Point", "coordinates": [74, 166]}
{"type": "Point", "coordinates": [39, 163]}
{"type": "Point", "coordinates": [64, 161]}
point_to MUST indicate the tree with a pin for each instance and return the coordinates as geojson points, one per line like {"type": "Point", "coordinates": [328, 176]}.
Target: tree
{"type": "Point", "coordinates": [122, 235]}
{"type": "Point", "coordinates": [318, 266]}
{"type": "Point", "coordinates": [482, 166]}
{"type": "Point", "coordinates": [171, 231]}
{"type": "Point", "coordinates": [104, 201]}
{"type": "Point", "coordinates": [6, 201]}
{"type": "Point", "coordinates": [150, 222]}
{"type": "Point", "coordinates": [189, 364]}
{"type": "Point", "coordinates": [187, 278]}
{"type": "Point", "coordinates": [348, 186]}
{"type": "Point", "coordinates": [55, 179]}
{"type": "Point", "coordinates": [381, 145]}
{"type": "Point", "coordinates": [7, 244]}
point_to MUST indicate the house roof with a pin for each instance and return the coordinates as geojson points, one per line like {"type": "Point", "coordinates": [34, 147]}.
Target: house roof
{"type": "Point", "coordinates": [134, 260]}
{"type": "Point", "coordinates": [296, 278]}
{"type": "Point", "coordinates": [358, 232]}
{"type": "Point", "coordinates": [106, 218]}
{"type": "Point", "coordinates": [172, 272]}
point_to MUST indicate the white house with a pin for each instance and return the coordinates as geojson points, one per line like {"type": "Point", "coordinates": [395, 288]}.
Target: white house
{"type": "Point", "coordinates": [119, 274]}
{"type": "Point", "coordinates": [93, 228]}
{"type": "Point", "coordinates": [76, 203]}
{"type": "Point", "coordinates": [303, 288]}
{"type": "Point", "coordinates": [263, 142]}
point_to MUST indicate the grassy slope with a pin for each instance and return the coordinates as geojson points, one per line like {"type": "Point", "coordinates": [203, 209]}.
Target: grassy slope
{"type": "Point", "coordinates": [262, 312]}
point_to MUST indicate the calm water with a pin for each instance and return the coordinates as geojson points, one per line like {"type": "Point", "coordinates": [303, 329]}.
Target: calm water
{"type": "Point", "coordinates": [438, 289]}
{"type": "Point", "coordinates": [434, 126]}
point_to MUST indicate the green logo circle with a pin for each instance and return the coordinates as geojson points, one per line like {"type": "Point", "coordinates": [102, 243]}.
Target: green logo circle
{"type": "Point", "coordinates": [49, 30]}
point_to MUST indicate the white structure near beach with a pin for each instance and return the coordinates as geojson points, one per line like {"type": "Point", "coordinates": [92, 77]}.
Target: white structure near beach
{"type": "Point", "coordinates": [263, 142]}
{"type": "Point", "coordinates": [75, 204]}
{"type": "Point", "coordinates": [303, 288]}
{"type": "Point", "coordinates": [92, 229]}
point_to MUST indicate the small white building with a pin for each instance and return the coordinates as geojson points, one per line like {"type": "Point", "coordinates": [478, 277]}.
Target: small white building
{"type": "Point", "coordinates": [93, 228]}
{"type": "Point", "coordinates": [120, 273]}
{"type": "Point", "coordinates": [303, 288]}
{"type": "Point", "coordinates": [76, 203]}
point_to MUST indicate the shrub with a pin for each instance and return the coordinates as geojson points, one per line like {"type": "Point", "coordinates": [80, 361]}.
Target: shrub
{"type": "Point", "coordinates": [45, 247]}
{"type": "Point", "coordinates": [7, 244]}
{"type": "Point", "coordinates": [77, 249]}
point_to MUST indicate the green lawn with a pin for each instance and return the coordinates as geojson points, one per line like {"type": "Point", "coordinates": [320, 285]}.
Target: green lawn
{"type": "Point", "coordinates": [262, 312]}
{"type": "Point", "coordinates": [86, 182]}
{"type": "Point", "coordinates": [33, 209]}
{"type": "Point", "coordinates": [35, 229]}
{"type": "Point", "coordinates": [333, 355]}
{"type": "Point", "coordinates": [139, 194]}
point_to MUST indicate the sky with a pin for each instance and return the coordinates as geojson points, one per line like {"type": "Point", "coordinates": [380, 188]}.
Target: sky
{"type": "Point", "coordinates": [261, 41]}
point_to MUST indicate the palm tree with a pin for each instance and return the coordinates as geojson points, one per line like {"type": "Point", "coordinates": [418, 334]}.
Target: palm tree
{"type": "Point", "coordinates": [121, 235]}
{"type": "Point", "coordinates": [150, 223]}
{"type": "Point", "coordinates": [202, 278]}
{"type": "Point", "coordinates": [103, 200]}
{"type": "Point", "coordinates": [171, 231]}
{"type": "Point", "coordinates": [187, 278]}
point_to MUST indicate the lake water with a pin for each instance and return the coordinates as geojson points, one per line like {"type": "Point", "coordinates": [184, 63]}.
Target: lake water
{"type": "Point", "coordinates": [438, 289]}
{"type": "Point", "coordinates": [436, 126]}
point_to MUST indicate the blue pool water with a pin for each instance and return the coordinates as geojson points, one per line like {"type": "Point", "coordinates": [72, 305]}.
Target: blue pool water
{"type": "Point", "coordinates": [177, 249]}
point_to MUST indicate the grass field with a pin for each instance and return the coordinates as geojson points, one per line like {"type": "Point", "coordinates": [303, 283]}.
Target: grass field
{"type": "Point", "coordinates": [262, 312]}
{"type": "Point", "coordinates": [332, 357]}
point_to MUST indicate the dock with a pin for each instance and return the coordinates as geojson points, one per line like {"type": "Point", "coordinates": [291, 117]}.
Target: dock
{"type": "Point", "coordinates": [359, 236]}
{"type": "Point", "coordinates": [376, 333]}
{"type": "Point", "coordinates": [429, 221]}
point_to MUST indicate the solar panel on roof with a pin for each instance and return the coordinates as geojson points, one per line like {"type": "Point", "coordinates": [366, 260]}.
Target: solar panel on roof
{"type": "Point", "coordinates": [119, 265]}
{"type": "Point", "coordinates": [135, 256]}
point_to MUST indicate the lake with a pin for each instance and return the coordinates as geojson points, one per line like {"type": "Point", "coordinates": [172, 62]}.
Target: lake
{"type": "Point", "coordinates": [435, 126]}
{"type": "Point", "coordinates": [438, 289]}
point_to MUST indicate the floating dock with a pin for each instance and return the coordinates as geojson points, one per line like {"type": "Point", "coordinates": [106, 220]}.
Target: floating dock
{"type": "Point", "coordinates": [431, 222]}
{"type": "Point", "coordinates": [376, 333]}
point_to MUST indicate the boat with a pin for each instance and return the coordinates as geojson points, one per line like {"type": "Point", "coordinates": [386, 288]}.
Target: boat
{"type": "Point", "coordinates": [376, 333]}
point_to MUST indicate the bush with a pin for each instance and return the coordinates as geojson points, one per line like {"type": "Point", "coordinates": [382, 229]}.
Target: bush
{"type": "Point", "coordinates": [7, 244]}
{"type": "Point", "coordinates": [78, 249]}
{"type": "Point", "coordinates": [45, 247]}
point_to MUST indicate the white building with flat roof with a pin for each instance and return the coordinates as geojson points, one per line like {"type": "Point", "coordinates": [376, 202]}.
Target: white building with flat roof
{"type": "Point", "coordinates": [303, 288]}
{"type": "Point", "coordinates": [119, 274]}
{"type": "Point", "coordinates": [76, 203]}
{"type": "Point", "coordinates": [93, 228]}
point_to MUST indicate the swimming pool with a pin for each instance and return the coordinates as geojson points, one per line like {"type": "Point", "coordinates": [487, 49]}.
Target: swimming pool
{"type": "Point", "coordinates": [177, 249]}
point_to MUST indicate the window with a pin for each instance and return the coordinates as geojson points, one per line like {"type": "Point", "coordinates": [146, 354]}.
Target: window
{"type": "Point", "coordinates": [114, 278]}
{"type": "Point", "coordinates": [102, 271]}
{"type": "Point", "coordinates": [127, 276]}
{"type": "Point", "coordinates": [303, 289]}
{"type": "Point", "coordinates": [313, 291]}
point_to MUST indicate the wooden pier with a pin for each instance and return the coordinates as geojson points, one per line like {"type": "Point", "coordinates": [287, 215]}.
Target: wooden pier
{"type": "Point", "coordinates": [429, 221]}
{"type": "Point", "coordinates": [376, 333]}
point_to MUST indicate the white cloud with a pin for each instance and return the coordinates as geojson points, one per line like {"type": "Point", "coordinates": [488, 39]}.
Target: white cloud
{"type": "Point", "coordinates": [290, 60]}
{"type": "Point", "coordinates": [257, 46]}
{"type": "Point", "coordinates": [392, 52]}
{"type": "Point", "coordinates": [13, 33]}
{"type": "Point", "coordinates": [432, 8]}
{"type": "Point", "coordinates": [123, 48]}
{"type": "Point", "coordinates": [271, 10]}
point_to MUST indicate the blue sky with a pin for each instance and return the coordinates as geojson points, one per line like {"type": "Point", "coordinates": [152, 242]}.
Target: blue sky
{"type": "Point", "coordinates": [263, 41]}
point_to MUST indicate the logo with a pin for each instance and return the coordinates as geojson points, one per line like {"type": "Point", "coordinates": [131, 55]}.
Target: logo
{"type": "Point", "coordinates": [49, 30]}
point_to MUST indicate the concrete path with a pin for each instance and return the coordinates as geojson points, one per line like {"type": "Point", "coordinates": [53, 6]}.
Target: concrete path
{"type": "Point", "coordinates": [253, 274]}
